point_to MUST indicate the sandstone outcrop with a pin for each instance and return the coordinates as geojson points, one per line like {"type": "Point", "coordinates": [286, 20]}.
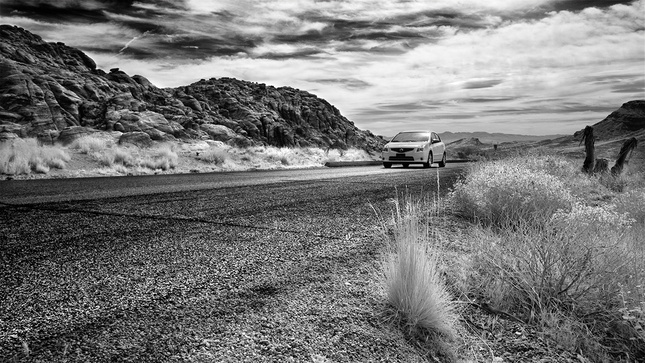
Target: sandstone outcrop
{"type": "Point", "coordinates": [54, 92]}
{"type": "Point", "coordinates": [624, 122]}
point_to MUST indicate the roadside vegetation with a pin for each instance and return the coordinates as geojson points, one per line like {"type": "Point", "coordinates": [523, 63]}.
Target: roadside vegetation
{"type": "Point", "coordinates": [546, 245]}
{"type": "Point", "coordinates": [27, 156]}
{"type": "Point", "coordinates": [102, 155]}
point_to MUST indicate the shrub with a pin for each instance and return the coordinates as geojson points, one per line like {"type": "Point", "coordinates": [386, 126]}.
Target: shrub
{"type": "Point", "coordinates": [577, 270]}
{"type": "Point", "coordinates": [214, 155]}
{"type": "Point", "coordinates": [22, 156]}
{"type": "Point", "coordinates": [163, 158]}
{"type": "Point", "coordinates": [89, 144]}
{"type": "Point", "coordinates": [509, 193]}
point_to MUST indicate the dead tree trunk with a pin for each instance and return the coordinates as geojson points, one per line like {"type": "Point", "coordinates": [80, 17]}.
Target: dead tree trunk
{"type": "Point", "coordinates": [624, 155]}
{"type": "Point", "coordinates": [587, 137]}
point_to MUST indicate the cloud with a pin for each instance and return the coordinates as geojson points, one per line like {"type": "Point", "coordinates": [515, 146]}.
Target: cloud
{"type": "Point", "coordinates": [383, 63]}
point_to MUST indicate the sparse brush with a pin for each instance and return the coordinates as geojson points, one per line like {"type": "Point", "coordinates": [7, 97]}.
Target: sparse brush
{"type": "Point", "coordinates": [89, 144]}
{"type": "Point", "coordinates": [163, 158]}
{"type": "Point", "coordinates": [23, 156]}
{"type": "Point", "coordinates": [123, 157]}
{"type": "Point", "coordinates": [213, 155]}
{"type": "Point", "coordinates": [507, 194]}
{"type": "Point", "coordinates": [573, 265]}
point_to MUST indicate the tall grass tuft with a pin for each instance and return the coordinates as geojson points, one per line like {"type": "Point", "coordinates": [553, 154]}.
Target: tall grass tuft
{"type": "Point", "coordinates": [214, 155]}
{"type": "Point", "coordinates": [90, 144]}
{"type": "Point", "coordinates": [23, 156]}
{"type": "Point", "coordinates": [164, 158]}
{"type": "Point", "coordinates": [414, 286]}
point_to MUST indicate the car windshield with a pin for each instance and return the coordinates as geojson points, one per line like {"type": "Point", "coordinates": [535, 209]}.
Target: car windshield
{"type": "Point", "coordinates": [411, 137]}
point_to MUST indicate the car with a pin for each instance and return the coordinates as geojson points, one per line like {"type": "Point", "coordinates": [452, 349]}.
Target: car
{"type": "Point", "coordinates": [414, 147]}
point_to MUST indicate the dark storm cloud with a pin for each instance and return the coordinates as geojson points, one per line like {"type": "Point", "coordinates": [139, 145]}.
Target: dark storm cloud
{"type": "Point", "coordinates": [577, 5]}
{"type": "Point", "coordinates": [526, 108]}
{"type": "Point", "coordinates": [349, 83]}
{"type": "Point", "coordinates": [302, 53]}
{"type": "Point", "coordinates": [635, 86]}
{"type": "Point", "coordinates": [52, 11]}
{"type": "Point", "coordinates": [482, 84]}
{"type": "Point", "coordinates": [484, 99]}
{"type": "Point", "coordinates": [185, 46]}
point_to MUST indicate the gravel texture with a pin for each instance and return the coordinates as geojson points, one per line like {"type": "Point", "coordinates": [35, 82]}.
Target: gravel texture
{"type": "Point", "coordinates": [262, 273]}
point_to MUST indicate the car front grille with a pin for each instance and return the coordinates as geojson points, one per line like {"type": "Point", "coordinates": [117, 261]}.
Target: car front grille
{"type": "Point", "coordinates": [401, 158]}
{"type": "Point", "coordinates": [402, 149]}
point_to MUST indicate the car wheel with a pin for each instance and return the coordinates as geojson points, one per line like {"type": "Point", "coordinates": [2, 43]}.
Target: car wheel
{"type": "Point", "coordinates": [429, 163]}
{"type": "Point", "coordinates": [387, 165]}
{"type": "Point", "coordinates": [442, 163]}
{"type": "Point", "coordinates": [406, 165]}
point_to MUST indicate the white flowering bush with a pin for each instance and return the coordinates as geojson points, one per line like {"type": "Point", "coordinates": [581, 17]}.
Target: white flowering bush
{"type": "Point", "coordinates": [633, 204]}
{"type": "Point", "coordinates": [595, 218]}
{"type": "Point", "coordinates": [509, 193]}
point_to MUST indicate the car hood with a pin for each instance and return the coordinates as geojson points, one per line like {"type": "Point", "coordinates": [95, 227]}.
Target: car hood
{"type": "Point", "coordinates": [403, 144]}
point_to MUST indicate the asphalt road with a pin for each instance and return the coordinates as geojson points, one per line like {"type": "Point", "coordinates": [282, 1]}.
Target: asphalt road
{"type": "Point", "coordinates": [154, 268]}
{"type": "Point", "coordinates": [74, 189]}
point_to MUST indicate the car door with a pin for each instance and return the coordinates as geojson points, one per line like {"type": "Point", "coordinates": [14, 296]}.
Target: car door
{"type": "Point", "coordinates": [438, 147]}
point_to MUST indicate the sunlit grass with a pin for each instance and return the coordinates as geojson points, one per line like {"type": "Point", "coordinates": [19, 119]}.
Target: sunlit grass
{"type": "Point", "coordinates": [24, 156]}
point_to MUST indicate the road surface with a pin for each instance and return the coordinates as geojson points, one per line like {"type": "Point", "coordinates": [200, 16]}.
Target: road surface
{"type": "Point", "coordinates": [250, 266]}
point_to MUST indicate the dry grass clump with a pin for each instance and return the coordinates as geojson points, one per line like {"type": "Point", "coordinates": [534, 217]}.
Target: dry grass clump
{"type": "Point", "coordinates": [122, 158]}
{"type": "Point", "coordinates": [90, 144]}
{"type": "Point", "coordinates": [416, 292]}
{"type": "Point", "coordinates": [573, 265]}
{"type": "Point", "coordinates": [163, 157]}
{"type": "Point", "coordinates": [214, 155]}
{"type": "Point", "coordinates": [23, 156]}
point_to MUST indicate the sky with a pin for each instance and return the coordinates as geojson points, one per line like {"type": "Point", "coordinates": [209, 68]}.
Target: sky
{"type": "Point", "coordinates": [535, 67]}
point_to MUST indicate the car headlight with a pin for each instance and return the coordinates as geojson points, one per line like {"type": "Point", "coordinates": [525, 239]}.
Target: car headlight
{"type": "Point", "coordinates": [386, 149]}
{"type": "Point", "coordinates": [419, 149]}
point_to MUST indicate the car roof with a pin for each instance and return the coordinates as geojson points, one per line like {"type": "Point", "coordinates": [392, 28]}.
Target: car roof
{"type": "Point", "coordinates": [406, 131]}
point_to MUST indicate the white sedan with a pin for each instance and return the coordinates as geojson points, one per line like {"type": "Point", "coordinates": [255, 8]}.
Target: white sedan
{"type": "Point", "coordinates": [414, 147]}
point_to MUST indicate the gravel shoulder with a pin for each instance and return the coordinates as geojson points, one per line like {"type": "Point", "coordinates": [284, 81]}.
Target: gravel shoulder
{"type": "Point", "coordinates": [270, 273]}
{"type": "Point", "coordinates": [258, 273]}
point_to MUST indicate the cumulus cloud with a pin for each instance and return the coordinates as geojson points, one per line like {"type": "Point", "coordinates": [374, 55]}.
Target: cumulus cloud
{"type": "Point", "coordinates": [463, 65]}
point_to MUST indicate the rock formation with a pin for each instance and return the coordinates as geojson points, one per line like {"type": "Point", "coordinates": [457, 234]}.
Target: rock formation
{"type": "Point", "coordinates": [625, 121]}
{"type": "Point", "coordinates": [55, 92]}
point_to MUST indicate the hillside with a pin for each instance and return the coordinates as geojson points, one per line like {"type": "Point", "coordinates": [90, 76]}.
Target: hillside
{"type": "Point", "coordinates": [625, 121]}
{"type": "Point", "coordinates": [56, 92]}
{"type": "Point", "coordinates": [494, 138]}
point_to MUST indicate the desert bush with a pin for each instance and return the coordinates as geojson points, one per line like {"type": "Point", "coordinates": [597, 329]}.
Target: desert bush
{"type": "Point", "coordinates": [509, 193]}
{"type": "Point", "coordinates": [22, 156]}
{"type": "Point", "coordinates": [632, 203]}
{"type": "Point", "coordinates": [164, 158]}
{"type": "Point", "coordinates": [573, 265]}
{"type": "Point", "coordinates": [89, 144]}
{"type": "Point", "coordinates": [214, 155]}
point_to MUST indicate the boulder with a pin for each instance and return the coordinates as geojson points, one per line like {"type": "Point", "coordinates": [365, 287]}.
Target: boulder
{"type": "Point", "coordinates": [69, 134]}
{"type": "Point", "coordinates": [137, 138]}
{"type": "Point", "coordinates": [218, 132]}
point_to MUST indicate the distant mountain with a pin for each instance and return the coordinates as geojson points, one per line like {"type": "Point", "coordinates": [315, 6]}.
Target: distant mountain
{"type": "Point", "coordinates": [56, 93]}
{"type": "Point", "coordinates": [625, 121]}
{"type": "Point", "coordinates": [493, 138]}
{"type": "Point", "coordinates": [472, 141]}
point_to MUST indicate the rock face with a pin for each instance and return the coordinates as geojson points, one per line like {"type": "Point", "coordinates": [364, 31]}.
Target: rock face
{"type": "Point", "coordinates": [627, 120]}
{"type": "Point", "coordinates": [49, 89]}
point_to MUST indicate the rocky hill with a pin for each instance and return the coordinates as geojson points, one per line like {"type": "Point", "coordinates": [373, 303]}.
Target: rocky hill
{"type": "Point", "coordinates": [56, 92]}
{"type": "Point", "coordinates": [625, 121]}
